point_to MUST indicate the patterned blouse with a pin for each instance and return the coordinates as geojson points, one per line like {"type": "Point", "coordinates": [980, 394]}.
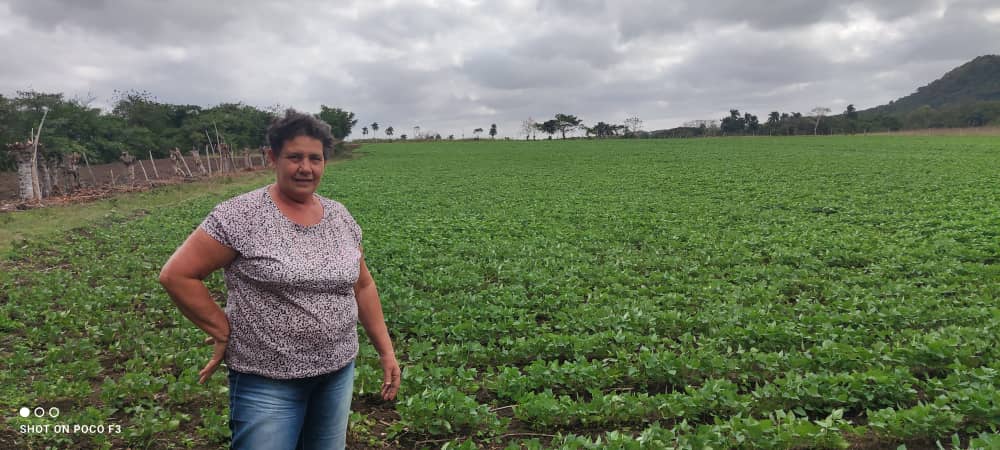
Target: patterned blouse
{"type": "Point", "coordinates": [291, 306]}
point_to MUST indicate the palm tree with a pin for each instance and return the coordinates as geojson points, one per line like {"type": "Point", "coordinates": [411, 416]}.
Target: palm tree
{"type": "Point", "coordinates": [364, 131]}
{"type": "Point", "coordinates": [388, 131]}
{"type": "Point", "coordinates": [493, 131]}
{"type": "Point", "coordinates": [375, 128]}
{"type": "Point", "coordinates": [773, 119]}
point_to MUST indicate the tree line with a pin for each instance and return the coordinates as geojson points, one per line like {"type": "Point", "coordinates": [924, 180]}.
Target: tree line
{"type": "Point", "coordinates": [137, 122]}
{"type": "Point", "coordinates": [796, 123]}
{"type": "Point", "coordinates": [777, 123]}
{"type": "Point", "coordinates": [817, 121]}
{"type": "Point", "coordinates": [567, 123]}
{"type": "Point", "coordinates": [850, 121]}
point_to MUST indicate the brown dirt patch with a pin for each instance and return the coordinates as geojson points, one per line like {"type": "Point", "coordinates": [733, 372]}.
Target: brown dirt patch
{"type": "Point", "coordinates": [382, 414]}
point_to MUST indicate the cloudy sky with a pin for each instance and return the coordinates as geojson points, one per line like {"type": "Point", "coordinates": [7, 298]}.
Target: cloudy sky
{"type": "Point", "coordinates": [454, 65]}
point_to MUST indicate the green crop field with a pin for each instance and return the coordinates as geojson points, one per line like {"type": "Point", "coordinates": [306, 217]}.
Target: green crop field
{"type": "Point", "coordinates": [831, 292]}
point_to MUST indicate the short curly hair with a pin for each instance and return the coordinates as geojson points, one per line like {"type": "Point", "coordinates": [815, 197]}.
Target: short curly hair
{"type": "Point", "coordinates": [295, 124]}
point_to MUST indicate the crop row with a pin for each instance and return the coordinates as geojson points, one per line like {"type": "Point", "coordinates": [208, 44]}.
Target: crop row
{"type": "Point", "coordinates": [727, 293]}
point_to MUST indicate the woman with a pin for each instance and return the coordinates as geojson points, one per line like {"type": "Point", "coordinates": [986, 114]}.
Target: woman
{"type": "Point", "coordinates": [298, 284]}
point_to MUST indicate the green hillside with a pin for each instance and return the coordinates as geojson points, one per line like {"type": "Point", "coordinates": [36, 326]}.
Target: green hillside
{"type": "Point", "coordinates": [975, 81]}
{"type": "Point", "coordinates": [968, 95]}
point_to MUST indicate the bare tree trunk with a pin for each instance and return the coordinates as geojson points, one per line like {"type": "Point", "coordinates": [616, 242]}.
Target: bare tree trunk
{"type": "Point", "coordinates": [224, 159]}
{"type": "Point", "coordinates": [47, 188]}
{"type": "Point", "coordinates": [197, 162]}
{"type": "Point", "coordinates": [61, 183]}
{"type": "Point", "coordinates": [34, 156]}
{"type": "Point", "coordinates": [25, 182]}
{"type": "Point", "coordinates": [36, 186]}
{"type": "Point", "coordinates": [178, 172]}
{"type": "Point", "coordinates": [129, 161]}
{"type": "Point", "coordinates": [72, 171]}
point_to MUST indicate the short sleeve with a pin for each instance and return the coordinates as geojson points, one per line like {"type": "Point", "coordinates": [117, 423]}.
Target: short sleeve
{"type": "Point", "coordinates": [217, 226]}
{"type": "Point", "coordinates": [352, 226]}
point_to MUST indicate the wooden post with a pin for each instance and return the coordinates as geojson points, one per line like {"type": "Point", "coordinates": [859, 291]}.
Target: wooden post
{"type": "Point", "coordinates": [217, 139]}
{"type": "Point", "coordinates": [215, 154]}
{"type": "Point", "coordinates": [208, 159]}
{"type": "Point", "coordinates": [112, 177]}
{"type": "Point", "coordinates": [34, 158]}
{"type": "Point", "coordinates": [210, 141]}
{"type": "Point", "coordinates": [92, 177]}
{"type": "Point", "coordinates": [214, 149]}
{"type": "Point", "coordinates": [144, 171]}
{"type": "Point", "coordinates": [232, 159]}
{"type": "Point", "coordinates": [190, 175]}
{"type": "Point", "coordinates": [153, 163]}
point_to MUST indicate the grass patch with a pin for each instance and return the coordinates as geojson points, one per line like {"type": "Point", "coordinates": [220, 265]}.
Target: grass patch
{"type": "Point", "coordinates": [40, 223]}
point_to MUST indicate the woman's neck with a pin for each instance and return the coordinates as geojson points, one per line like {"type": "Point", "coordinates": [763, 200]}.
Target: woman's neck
{"type": "Point", "coordinates": [291, 202]}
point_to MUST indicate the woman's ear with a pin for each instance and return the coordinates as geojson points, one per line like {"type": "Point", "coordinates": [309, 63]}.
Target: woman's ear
{"type": "Point", "coordinates": [270, 156]}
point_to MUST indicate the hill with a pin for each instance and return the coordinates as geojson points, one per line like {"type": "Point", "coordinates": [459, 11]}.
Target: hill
{"type": "Point", "coordinates": [966, 96]}
{"type": "Point", "coordinates": [973, 82]}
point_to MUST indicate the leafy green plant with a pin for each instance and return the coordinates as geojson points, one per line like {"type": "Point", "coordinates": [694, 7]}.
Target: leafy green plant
{"type": "Point", "coordinates": [446, 411]}
{"type": "Point", "coordinates": [725, 293]}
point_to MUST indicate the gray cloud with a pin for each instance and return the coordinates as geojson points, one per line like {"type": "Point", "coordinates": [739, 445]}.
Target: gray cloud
{"type": "Point", "coordinates": [501, 70]}
{"type": "Point", "coordinates": [138, 22]}
{"type": "Point", "coordinates": [453, 65]}
{"type": "Point", "coordinates": [400, 25]}
{"type": "Point", "coordinates": [961, 34]}
{"type": "Point", "coordinates": [592, 45]}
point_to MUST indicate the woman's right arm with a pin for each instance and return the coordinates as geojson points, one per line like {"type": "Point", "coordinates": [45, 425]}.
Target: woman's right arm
{"type": "Point", "coordinates": [182, 276]}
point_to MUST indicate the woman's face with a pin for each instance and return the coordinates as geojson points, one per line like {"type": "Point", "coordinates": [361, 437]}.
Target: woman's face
{"type": "Point", "coordinates": [299, 167]}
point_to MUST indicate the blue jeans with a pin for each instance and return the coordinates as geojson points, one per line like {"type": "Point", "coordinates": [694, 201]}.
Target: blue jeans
{"type": "Point", "coordinates": [301, 414]}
